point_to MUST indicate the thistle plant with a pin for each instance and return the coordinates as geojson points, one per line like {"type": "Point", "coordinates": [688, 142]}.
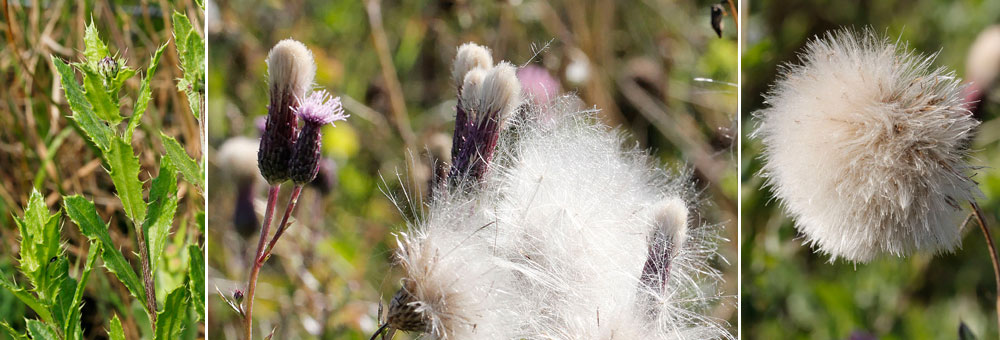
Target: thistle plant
{"type": "Point", "coordinates": [865, 145]}
{"type": "Point", "coordinates": [149, 209]}
{"type": "Point", "coordinates": [287, 152]}
{"type": "Point", "coordinates": [551, 229]}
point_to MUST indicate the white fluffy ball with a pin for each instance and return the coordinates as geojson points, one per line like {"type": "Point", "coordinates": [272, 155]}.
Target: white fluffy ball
{"type": "Point", "coordinates": [864, 144]}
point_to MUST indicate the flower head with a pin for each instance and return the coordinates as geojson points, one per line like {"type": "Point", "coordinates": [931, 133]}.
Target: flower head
{"type": "Point", "coordinates": [318, 108]}
{"type": "Point", "coordinates": [290, 70]}
{"type": "Point", "coordinates": [558, 231]}
{"type": "Point", "coordinates": [863, 143]}
{"type": "Point", "coordinates": [539, 86]}
{"type": "Point", "coordinates": [487, 97]}
{"type": "Point", "coordinates": [108, 67]}
{"type": "Point", "coordinates": [468, 57]}
{"type": "Point", "coordinates": [983, 64]}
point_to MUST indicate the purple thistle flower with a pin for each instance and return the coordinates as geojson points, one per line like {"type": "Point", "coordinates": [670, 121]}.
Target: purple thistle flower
{"type": "Point", "coordinates": [291, 70]}
{"type": "Point", "coordinates": [316, 110]}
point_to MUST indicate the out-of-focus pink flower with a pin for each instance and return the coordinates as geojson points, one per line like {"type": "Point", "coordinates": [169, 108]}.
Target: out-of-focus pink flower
{"type": "Point", "coordinates": [538, 85]}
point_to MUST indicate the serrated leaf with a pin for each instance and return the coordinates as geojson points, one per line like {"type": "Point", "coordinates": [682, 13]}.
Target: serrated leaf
{"type": "Point", "coordinates": [170, 322]}
{"type": "Point", "coordinates": [84, 214]}
{"type": "Point", "coordinates": [99, 96]}
{"type": "Point", "coordinates": [196, 279]}
{"type": "Point", "coordinates": [40, 331]}
{"type": "Point", "coordinates": [124, 74]}
{"type": "Point", "coordinates": [162, 206]}
{"type": "Point", "coordinates": [184, 163]}
{"type": "Point", "coordinates": [33, 302]}
{"type": "Point", "coordinates": [182, 26]}
{"type": "Point", "coordinates": [195, 101]}
{"type": "Point", "coordinates": [71, 329]}
{"type": "Point", "coordinates": [83, 113]}
{"type": "Point", "coordinates": [191, 51]}
{"type": "Point", "coordinates": [145, 93]}
{"type": "Point", "coordinates": [95, 47]}
{"type": "Point", "coordinates": [116, 332]}
{"type": "Point", "coordinates": [40, 242]}
{"type": "Point", "coordinates": [124, 171]}
{"type": "Point", "coordinates": [58, 291]}
{"type": "Point", "coordinates": [13, 334]}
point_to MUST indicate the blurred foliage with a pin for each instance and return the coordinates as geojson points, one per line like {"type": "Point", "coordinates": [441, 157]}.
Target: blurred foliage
{"type": "Point", "coordinates": [788, 291]}
{"type": "Point", "coordinates": [42, 148]}
{"type": "Point", "coordinates": [327, 275]}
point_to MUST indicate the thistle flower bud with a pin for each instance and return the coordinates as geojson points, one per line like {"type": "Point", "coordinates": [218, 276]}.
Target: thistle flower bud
{"type": "Point", "coordinates": [108, 67]}
{"type": "Point", "coordinates": [488, 97]}
{"type": "Point", "coordinates": [236, 159]}
{"type": "Point", "coordinates": [316, 110]}
{"type": "Point", "coordinates": [670, 221]}
{"type": "Point", "coordinates": [404, 314]}
{"type": "Point", "coordinates": [290, 70]}
{"type": "Point", "coordinates": [864, 144]}
{"type": "Point", "coordinates": [469, 57]}
{"type": "Point", "coordinates": [983, 64]}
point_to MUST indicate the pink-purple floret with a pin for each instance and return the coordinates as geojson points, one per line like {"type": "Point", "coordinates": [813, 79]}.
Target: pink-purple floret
{"type": "Point", "coordinates": [319, 108]}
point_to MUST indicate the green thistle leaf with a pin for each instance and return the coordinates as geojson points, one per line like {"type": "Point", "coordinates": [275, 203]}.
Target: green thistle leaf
{"type": "Point", "coordinates": [83, 112]}
{"type": "Point", "coordinates": [185, 164]}
{"type": "Point", "coordinates": [84, 214]}
{"type": "Point", "coordinates": [124, 171]}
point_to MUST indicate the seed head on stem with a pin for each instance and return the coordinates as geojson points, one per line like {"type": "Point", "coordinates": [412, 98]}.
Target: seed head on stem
{"type": "Point", "coordinates": [290, 74]}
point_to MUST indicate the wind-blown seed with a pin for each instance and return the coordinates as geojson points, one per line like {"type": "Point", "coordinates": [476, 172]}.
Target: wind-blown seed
{"type": "Point", "coordinates": [864, 144]}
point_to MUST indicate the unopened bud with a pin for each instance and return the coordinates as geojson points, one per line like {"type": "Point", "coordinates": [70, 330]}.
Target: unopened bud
{"type": "Point", "coordinates": [108, 68]}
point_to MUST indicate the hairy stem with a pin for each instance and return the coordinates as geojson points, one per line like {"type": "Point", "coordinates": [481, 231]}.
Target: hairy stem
{"type": "Point", "coordinates": [147, 275]}
{"type": "Point", "coordinates": [272, 199]}
{"type": "Point", "coordinates": [993, 253]}
{"type": "Point", "coordinates": [292, 201]}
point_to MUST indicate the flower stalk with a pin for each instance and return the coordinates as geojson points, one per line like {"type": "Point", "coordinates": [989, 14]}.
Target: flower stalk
{"type": "Point", "coordinates": [287, 151]}
{"type": "Point", "coordinates": [272, 200]}
{"type": "Point", "coordinates": [978, 213]}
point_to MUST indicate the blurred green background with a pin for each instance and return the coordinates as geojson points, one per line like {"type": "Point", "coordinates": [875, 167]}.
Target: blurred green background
{"type": "Point", "coordinates": [640, 61]}
{"type": "Point", "coordinates": [788, 292]}
{"type": "Point", "coordinates": [40, 147]}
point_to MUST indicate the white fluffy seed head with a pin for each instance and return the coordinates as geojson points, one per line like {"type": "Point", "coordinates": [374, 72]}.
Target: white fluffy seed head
{"type": "Point", "coordinates": [469, 57]}
{"type": "Point", "coordinates": [864, 144]}
{"type": "Point", "coordinates": [498, 92]}
{"type": "Point", "coordinates": [553, 242]}
{"type": "Point", "coordinates": [238, 158]}
{"type": "Point", "coordinates": [290, 68]}
{"type": "Point", "coordinates": [983, 64]}
{"type": "Point", "coordinates": [472, 85]}
{"type": "Point", "coordinates": [671, 218]}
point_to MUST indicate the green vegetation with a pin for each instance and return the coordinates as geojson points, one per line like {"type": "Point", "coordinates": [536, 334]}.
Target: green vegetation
{"type": "Point", "coordinates": [66, 295]}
